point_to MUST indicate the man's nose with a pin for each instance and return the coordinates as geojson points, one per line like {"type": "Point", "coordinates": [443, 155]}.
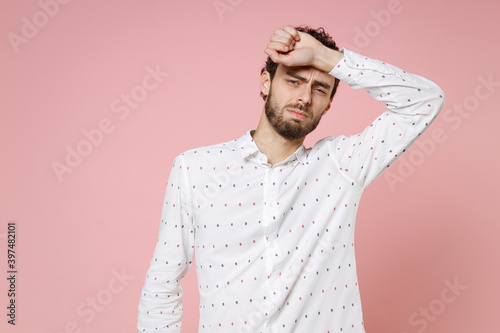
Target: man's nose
{"type": "Point", "coordinates": [304, 95]}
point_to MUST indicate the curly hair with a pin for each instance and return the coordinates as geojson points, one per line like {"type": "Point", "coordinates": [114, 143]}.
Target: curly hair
{"type": "Point", "coordinates": [321, 36]}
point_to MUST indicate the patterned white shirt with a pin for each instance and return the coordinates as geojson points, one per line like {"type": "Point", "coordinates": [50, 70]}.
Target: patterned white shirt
{"type": "Point", "coordinates": [275, 243]}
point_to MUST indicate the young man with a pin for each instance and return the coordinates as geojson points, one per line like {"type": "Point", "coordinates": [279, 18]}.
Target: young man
{"type": "Point", "coordinates": [272, 222]}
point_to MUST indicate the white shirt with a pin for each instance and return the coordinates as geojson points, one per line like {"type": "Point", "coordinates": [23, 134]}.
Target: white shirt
{"type": "Point", "coordinates": [275, 243]}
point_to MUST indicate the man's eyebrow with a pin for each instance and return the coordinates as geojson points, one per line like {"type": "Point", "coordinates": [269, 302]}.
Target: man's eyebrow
{"type": "Point", "coordinates": [316, 82]}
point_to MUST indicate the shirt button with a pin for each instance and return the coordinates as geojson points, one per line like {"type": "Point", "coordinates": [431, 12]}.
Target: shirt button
{"type": "Point", "coordinates": [272, 245]}
{"type": "Point", "coordinates": [270, 205]}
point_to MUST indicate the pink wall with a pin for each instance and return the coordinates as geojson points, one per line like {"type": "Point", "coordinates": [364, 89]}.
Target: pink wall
{"type": "Point", "coordinates": [432, 223]}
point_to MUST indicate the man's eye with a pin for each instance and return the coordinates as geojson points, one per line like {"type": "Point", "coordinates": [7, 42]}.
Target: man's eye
{"type": "Point", "coordinates": [292, 81]}
{"type": "Point", "coordinates": [322, 91]}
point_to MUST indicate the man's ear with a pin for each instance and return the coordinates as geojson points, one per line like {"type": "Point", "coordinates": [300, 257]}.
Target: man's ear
{"type": "Point", "coordinates": [265, 82]}
{"type": "Point", "coordinates": [327, 107]}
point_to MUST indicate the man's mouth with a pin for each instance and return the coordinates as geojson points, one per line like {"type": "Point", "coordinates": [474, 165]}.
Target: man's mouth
{"type": "Point", "coordinates": [297, 113]}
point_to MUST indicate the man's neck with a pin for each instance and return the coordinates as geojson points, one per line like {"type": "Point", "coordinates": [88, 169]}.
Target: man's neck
{"type": "Point", "coordinates": [273, 145]}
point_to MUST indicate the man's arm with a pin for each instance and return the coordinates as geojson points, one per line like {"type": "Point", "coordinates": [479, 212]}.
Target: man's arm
{"type": "Point", "coordinates": [160, 306]}
{"type": "Point", "coordinates": [412, 102]}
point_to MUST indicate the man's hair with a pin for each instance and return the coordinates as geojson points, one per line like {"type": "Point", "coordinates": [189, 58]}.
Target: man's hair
{"type": "Point", "coordinates": [321, 36]}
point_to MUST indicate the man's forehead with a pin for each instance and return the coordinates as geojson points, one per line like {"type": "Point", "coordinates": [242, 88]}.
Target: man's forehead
{"type": "Point", "coordinates": [305, 71]}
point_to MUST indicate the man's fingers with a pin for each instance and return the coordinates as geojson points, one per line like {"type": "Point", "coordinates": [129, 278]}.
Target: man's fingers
{"type": "Point", "coordinates": [277, 46]}
{"type": "Point", "coordinates": [273, 55]}
{"type": "Point", "coordinates": [294, 33]}
{"type": "Point", "coordinates": [284, 39]}
{"type": "Point", "coordinates": [283, 36]}
{"type": "Point", "coordinates": [277, 58]}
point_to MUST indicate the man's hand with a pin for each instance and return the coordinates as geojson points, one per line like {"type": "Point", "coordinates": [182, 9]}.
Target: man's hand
{"type": "Point", "coordinates": [295, 48]}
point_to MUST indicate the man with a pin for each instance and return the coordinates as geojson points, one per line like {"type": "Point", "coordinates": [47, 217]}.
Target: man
{"type": "Point", "coordinates": [272, 222]}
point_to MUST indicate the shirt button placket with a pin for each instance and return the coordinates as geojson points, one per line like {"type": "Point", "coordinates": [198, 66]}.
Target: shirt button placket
{"type": "Point", "coordinates": [271, 227]}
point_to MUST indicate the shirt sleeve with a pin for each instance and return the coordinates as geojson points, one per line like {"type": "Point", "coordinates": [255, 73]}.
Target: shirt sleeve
{"type": "Point", "coordinates": [412, 102]}
{"type": "Point", "coordinates": [160, 306]}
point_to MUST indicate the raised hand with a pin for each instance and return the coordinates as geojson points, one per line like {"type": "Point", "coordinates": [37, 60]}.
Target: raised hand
{"type": "Point", "coordinates": [290, 47]}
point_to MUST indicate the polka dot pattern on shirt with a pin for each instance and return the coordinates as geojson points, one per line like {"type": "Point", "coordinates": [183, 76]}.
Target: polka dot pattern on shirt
{"type": "Point", "coordinates": [275, 243]}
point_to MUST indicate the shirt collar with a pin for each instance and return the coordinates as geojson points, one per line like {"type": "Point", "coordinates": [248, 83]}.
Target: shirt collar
{"type": "Point", "coordinates": [248, 148]}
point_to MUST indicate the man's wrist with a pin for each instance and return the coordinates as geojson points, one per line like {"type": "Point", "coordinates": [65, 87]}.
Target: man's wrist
{"type": "Point", "coordinates": [327, 59]}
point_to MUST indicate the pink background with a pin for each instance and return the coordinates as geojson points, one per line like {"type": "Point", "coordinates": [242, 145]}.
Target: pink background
{"type": "Point", "coordinates": [437, 222]}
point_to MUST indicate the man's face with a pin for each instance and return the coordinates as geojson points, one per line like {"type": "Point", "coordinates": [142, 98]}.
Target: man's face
{"type": "Point", "coordinates": [298, 97]}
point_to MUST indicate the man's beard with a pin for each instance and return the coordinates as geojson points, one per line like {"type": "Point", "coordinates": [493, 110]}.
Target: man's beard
{"type": "Point", "coordinates": [290, 129]}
